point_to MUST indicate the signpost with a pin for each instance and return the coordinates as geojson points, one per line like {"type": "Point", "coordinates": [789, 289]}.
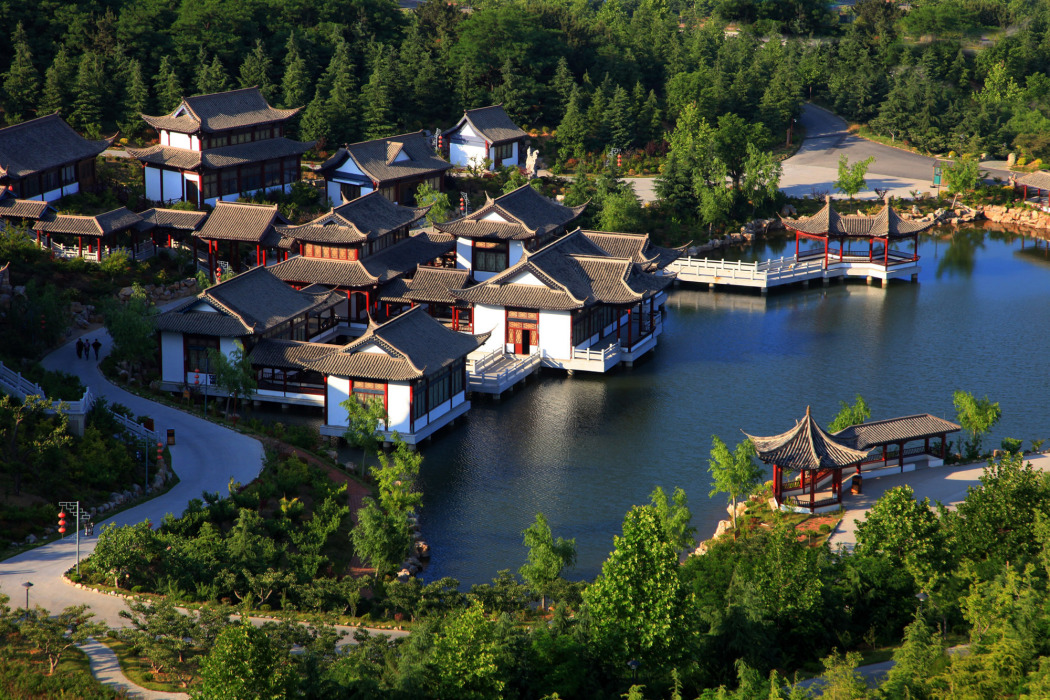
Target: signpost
{"type": "Point", "coordinates": [938, 174]}
{"type": "Point", "coordinates": [78, 516]}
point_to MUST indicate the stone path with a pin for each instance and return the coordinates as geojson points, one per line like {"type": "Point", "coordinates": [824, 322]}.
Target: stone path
{"type": "Point", "coordinates": [106, 667]}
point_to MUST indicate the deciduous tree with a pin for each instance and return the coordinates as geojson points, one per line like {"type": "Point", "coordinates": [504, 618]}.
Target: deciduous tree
{"type": "Point", "coordinates": [733, 473]}
{"type": "Point", "coordinates": [850, 415]}
{"type": "Point", "coordinates": [977, 417]}
{"type": "Point", "coordinates": [54, 636]}
{"type": "Point", "coordinates": [547, 557]}
{"type": "Point", "coordinates": [851, 177]}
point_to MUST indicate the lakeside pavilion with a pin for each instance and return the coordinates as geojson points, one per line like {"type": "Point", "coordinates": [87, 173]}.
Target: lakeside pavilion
{"type": "Point", "coordinates": [825, 460]}
{"type": "Point", "coordinates": [880, 232]}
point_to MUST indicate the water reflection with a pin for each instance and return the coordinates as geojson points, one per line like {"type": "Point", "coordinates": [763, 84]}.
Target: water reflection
{"type": "Point", "coordinates": [960, 256]}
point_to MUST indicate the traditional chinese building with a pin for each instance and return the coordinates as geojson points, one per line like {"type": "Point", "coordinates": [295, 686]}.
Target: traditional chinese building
{"type": "Point", "coordinates": [250, 307]}
{"type": "Point", "coordinates": [823, 461]}
{"type": "Point", "coordinates": [496, 236]}
{"type": "Point", "coordinates": [571, 302]}
{"type": "Point", "coordinates": [431, 288]}
{"type": "Point", "coordinates": [45, 159]}
{"type": "Point", "coordinates": [872, 241]}
{"type": "Point", "coordinates": [358, 248]}
{"type": "Point", "coordinates": [817, 457]}
{"type": "Point", "coordinates": [395, 167]}
{"type": "Point", "coordinates": [237, 224]}
{"type": "Point", "coordinates": [411, 363]}
{"type": "Point", "coordinates": [485, 133]}
{"type": "Point", "coordinates": [90, 237]}
{"type": "Point", "coordinates": [215, 148]}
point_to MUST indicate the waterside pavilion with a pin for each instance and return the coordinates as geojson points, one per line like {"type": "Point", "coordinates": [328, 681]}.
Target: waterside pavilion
{"type": "Point", "coordinates": [879, 232]}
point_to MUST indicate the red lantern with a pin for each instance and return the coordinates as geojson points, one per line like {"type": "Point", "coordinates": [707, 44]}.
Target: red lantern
{"type": "Point", "coordinates": [61, 514]}
{"type": "Point", "coordinates": [61, 530]}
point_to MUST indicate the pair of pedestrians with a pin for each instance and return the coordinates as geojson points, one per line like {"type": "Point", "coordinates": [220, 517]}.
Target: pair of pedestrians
{"type": "Point", "coordinates": [84, 349]}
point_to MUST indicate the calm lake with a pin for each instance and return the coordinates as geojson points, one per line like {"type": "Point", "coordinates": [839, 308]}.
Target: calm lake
{"type": "Point", "coordinates": [584, 449]}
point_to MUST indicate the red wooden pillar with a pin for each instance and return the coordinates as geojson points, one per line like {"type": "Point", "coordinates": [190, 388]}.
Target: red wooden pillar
{"type": "Point", "coordinates": [944, 446]}
{"type": "Point", "coordinates": [80, 246]}
{"type": "Point", "coordinates": [926, 446]}
{"type": "Point", "coordinates": [796, 245]}
{"type": "Point", "coordinates": [825, 253]}
{"type": "Point", "coordinates": [264, 257]}
{"type": "Point", "coordinates": [629, 313]}
{"type": "Point", "coordinates": [258, 255]}
{"type": "Point", "coordinates": [900, 455]}
{"type": "Point", "coordinates": [886, 252]}
{"type": "Point", "coordinates": [812, 493]}
{"type": "Point", "coordinates": [211, 259]}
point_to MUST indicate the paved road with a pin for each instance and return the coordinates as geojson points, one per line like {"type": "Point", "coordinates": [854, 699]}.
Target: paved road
{"type": "Point", "coordinates": [948, 485]}
{"type": "Point", "coordinates": [814, 169]}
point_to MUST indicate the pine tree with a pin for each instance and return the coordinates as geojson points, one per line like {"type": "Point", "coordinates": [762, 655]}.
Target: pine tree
{"type": "Point", "coordinates": [136, 98]}
{"type": "Point", "coordinates": [469, 92]}
{"type": "Point", "coordinates": [651, 118]}
{"type": "Point", "coordinates": [620, 119]}
{"type": "Point", "coordinates": [58, 83]}
{"type": "Point", "coordinates": [562, 84]}
{"type": "Point", "coordinates": [255, 71]}
{"type": "Point", "coordinates": [342, 103]}
{"type": "Point", "coordinates": [597, 128]}
{"type": "Point", "coordinates": [212, 77]}
{"type": "Point", "coordinates": [167, 85]}
{"type": "Point", "coordinates": [314, 125]}
{"type": "Point", "coordinates": [295, 86]}
{"type": "Point", "coordinates": [510, 94]}
{"type": "Point", "coordinates": [90, 93]}
{"type": "Point", "coordinates": [21, 80]}
{"type": "Point", "coordinates": [572, 132]}
{"type": "Point", "coordinates": [378, 107]}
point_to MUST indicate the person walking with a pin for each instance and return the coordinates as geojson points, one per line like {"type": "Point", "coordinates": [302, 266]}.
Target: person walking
{"type": "Point", "coordinates": [80, 348]}
{"type": "Point", "coordinates": [98, 346]}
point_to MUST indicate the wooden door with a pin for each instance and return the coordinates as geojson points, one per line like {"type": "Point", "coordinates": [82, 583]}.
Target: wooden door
{"type": "Point", "coordinates": [523, 331]}
{"type": "Point", "coordinates": [192, 193]}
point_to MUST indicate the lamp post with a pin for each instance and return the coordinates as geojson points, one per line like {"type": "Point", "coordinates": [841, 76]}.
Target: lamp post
{"type": "Point", "coordinates": [78, 516]}
{"type": "Point", "coordinates": [633, 664]}
{"type": "Point", "coordinates": [27, 585]}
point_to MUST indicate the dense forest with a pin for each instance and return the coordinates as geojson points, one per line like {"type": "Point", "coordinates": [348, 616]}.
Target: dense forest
{"type": "Point", "coordinates": [965, 75]}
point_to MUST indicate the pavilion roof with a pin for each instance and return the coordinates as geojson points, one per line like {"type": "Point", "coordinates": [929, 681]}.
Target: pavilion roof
{"type": "Point", "coordinates": [244, 222]}
{"type": "Point", "coordinates": [573, 272]}
{"type": "Point", "coordinates": [224, 157]}
{"type": "Point", "coordinates": [429, 285]}
{"type": "Point", "coordinates": [519, 215]}
{"type": "Point", "coordinates": [100, 225]}
{"type": "Point", "coordinates": [387, 264]}
{"type": "Point", "coordinates": [886, 224]}
{"type": "Point", "coordinates": [806, 447]}
{"type": "Point", "coordinates": [361, 219]}
{"type": "Point", "coordinates": [220, 111]}
{"type": "Point", "coordinates": [406, 347]}
{"type": "Point", "coordinates": [179, 219]}
{"type": "Point", "coordinates": [14, 208]}
{"type": "Point", "coordinates": [864, 436]}
{"type": "Point", "coordinates": [42, 144]}
{"type": "Point", "coordinates": [491, 123]}
{"type": "Point", "coordinates": [1040, 180]}
{"type": "Point", "coordinates": [390, 159]}
{"type": "Point", "coordinates": [636, 246]}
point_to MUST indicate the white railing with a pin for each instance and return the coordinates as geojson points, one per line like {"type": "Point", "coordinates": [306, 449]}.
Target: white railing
{"type": "Point", "coordinates": [478, 365]}
{"type": "Point", "coordinates": [76, 411]}
{"type": "Point", "coordinates": [601, 355]}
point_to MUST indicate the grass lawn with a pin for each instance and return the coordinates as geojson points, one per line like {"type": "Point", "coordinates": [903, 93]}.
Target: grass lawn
{"type": "Point", "coordinates": [138, 670]}
{"type": "Point", "coordinates": [23, 675]}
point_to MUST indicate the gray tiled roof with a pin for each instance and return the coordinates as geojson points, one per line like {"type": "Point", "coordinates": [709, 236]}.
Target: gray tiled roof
{"type": "Point", "coordinates": [575, 273]}
{"type": "Point", "coordinates": [887, 223]}
{"type": "Point", "coordinates": [387, 264]}
{"type": "Point", "coordinates": [435, 285]}
{"type": "Point", "coordinates": [180, 219]}
{"type": "Point", "coordinates": [13, 208]}
{"type": "Point", "coordinates": [107, 224]}
{"type": "Point", "coordinates": [864, 436]}
{"type": "Point", "coordinates": [225, 157]}
{"type": "Point", "coordinates": [364, 218]}
{"type": "Point", "coordinates": [373, 158]}
{"type": "Point", "coordinates": [527, 212]}
{"type": "Point", "coordinates": [237, 221]}
{"type": "Point", "coordinates": [288, 354]}
{"type": "Point", "coordinates": [414, 345]}
{"type": "Point", "coordinates": [806, 447]}
{"type": "Point", "coordinates": [250, 303]}
{"type": "Point", "coordinates": [220, 111]}
{"type": "Point", "coordinates": [42, 144]}
{"type": "Point", "coordinates": [492, 123]}
{"type": "Point", "coordinates": [636, 247]}
{"type": "Point", "coordinates": [1040, 179]}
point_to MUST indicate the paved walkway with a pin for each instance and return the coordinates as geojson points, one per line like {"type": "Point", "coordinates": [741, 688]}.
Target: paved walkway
{"type": "Point", "coordinates": [106, 667]}
{"type": "Point", "coordinates": [948, 485]}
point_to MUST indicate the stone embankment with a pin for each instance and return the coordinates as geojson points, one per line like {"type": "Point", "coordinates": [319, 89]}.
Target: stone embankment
{"type": "Point", "coordinates": [1018, 216]}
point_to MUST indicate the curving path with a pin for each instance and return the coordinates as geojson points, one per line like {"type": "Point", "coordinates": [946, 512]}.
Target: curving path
{"type": "Point", "coordinates": [105, 666]}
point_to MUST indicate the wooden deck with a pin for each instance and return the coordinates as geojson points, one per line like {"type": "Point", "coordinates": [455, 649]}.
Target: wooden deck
{"type": "Point", "coordinates": [497, 371]}
{"type": "Point", "coordinates": [792, 270]}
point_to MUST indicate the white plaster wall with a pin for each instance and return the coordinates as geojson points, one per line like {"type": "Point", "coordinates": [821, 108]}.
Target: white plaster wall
{"type": "Point", "coordinates": [338, 392]}
{"type": "Point", "coordinates": [195, 142]}
{"type": "Point", "coordinates": [227, 346]}
{"type": "Point", "coordinates": [467, 132]}
{"type": "Point", "coordinates": [527, 278]}
{"type": "Point", "coordinates": [494, 216]}
{"type": "Point", "coordinates": [60, 193]}
{"type": "Point", "coordinates": [464, 154]}
{"type": "Point", "coordinates": [399, 406]}
{"type": "Point", "coordinates": [172, 185]}
{"type": "Point", "coordinates": [514, 254]}
{"type": "Point", "coordinates": [177, 140]}
{"type": "Point", "coordinates": [464, 253]}
{"type": "Point", "coordinates": [171, 358]}
{"type": "Point", "coordinates": [439, 411]}
{"type": "Point", "coordinates": [556, 334]}
{"type": "Point", "coordinates": [349, 167]}
{"type": "Point", "coordinates": [515, 158]}
{"type": "Point", "coordinates": [153, 184]}
{"type": "Point", "coordinates": [491, 318]}
{"type": "Point", "coordinates": [459, 398]}
{"type": "Point", "coordinates": [333, 194]}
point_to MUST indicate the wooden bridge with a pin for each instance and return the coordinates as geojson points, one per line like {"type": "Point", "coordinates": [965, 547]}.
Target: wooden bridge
{"type": "Point", "coordinates": [790, 269]}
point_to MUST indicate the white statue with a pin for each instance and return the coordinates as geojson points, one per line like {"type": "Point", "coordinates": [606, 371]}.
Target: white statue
{"type": "Point", "coordinates": [532, 154]}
